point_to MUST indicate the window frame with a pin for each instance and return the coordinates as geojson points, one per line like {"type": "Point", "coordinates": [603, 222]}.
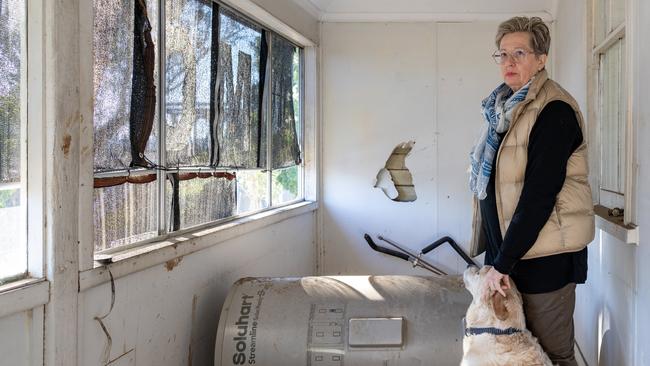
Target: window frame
{"type": "Point", "coordinates": [623, 227]}
{"type": "Point", "coordinates": [32, 139]}
{"type": "Point", "coordinates": [255, 14]}
{"type": "Point", "coordinates": [31, 290]}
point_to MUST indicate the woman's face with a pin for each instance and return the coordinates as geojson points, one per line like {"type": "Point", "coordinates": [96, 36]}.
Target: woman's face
{"type": "Point", "coordinates": [520, 62]}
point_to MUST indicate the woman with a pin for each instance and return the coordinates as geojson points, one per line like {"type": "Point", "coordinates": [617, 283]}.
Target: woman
{"type": "Point", "coordinates": [533, 211]}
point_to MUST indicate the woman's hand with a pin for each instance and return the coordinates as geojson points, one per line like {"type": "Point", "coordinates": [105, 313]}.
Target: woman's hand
{"type": "Point", "coordinates": [495, 282]}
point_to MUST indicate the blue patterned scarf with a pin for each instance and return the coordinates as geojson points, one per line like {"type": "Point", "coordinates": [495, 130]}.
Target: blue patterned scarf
{"type": "Point", "coordinates": [497, 112]}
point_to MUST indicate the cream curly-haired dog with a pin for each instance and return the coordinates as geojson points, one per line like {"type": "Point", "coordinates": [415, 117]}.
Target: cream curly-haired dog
{"type": "Point", "coordinates": [495, 328]}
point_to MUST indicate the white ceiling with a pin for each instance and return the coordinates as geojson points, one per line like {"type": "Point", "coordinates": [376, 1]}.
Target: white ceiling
{"type": "Point", "coordinates": [379, 10]}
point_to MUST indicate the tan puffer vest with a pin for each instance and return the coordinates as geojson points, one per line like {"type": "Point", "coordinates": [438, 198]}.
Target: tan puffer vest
{"type": "Point", "coordinates": [571, 224]}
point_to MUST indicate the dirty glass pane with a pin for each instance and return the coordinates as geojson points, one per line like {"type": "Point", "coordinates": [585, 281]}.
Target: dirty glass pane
{"type": "Point", "coordinates": [112, 78]}
{"type": "Point", "coordinates": [285, 103]}
{"type": "Point", "coordinates": [286, 185]}
{"type": "Point", "coordinates": [124, 214]}
{"type": "Point", "coordinates": [252, 190]}
{"type": "Point", "coordinates": [612, 118]}
{"type": "Point", "coordinates": [202, 200]}
{"type": "Point", "coordinates": [11, 21]}
{"type": "Point", "coordinates": [188, 52]}
{"type": "Point", "coordinates": [13, 249]}
{"type": "Point", "coordinates": [238, 117]}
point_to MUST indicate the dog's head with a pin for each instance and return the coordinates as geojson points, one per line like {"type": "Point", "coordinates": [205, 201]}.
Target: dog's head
{"type": "Point", "coordinates": [493, 309]}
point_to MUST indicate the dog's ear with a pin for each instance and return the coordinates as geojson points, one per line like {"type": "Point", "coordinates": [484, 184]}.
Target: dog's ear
{"type": "Point", "coordinates": [499, 305]}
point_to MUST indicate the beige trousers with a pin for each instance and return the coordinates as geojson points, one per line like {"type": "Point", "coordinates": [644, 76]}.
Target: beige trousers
{"type": "Point", "coordinates": [549, 316]}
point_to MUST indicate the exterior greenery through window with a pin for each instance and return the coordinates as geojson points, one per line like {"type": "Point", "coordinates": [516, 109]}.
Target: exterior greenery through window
{"type": "Point", "coordinates": [188, 109]}
{"type": "Point", "coordinates": [13, 244]}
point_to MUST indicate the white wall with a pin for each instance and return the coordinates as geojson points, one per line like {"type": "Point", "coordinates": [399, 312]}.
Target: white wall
{"type": "Point", "coordinates": [21, 338]}
{"type": "Point", "coordinates": [642, 253]}
{"type": "Point", "coordinates": [611, 325]}
{"type": "Point", "coordinates": [292, 15]}
{"type": "Point", "coordinates": [161, 316]}
{"type": "Point", "coordinates": [386, 83]}
{"type": "Point", "coordinates": [168, 314]}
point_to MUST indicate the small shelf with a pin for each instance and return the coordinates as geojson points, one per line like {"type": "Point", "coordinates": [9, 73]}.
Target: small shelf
{"type": "Point", "coordinates": [627, 233]}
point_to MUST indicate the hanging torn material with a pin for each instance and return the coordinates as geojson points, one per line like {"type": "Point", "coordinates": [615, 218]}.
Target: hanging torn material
{"type": "Point", "coordinates": [394, 179]}
{"type": "Point", "coordinates": [143, 88]}
{"type": "Point", "coordinates": [235, 94]}
{"type": "Point", "coordinates": [285, 103]}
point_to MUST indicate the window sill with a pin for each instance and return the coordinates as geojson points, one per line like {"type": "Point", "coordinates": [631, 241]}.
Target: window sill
{"type": "Point", "coordinates": [142, 257]}
{"type": "Point", "coordinates": [23, 295]}
{"type": "Point", "coordinates": [614, 226]}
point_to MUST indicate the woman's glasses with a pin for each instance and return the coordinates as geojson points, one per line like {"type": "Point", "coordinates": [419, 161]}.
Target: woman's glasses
{"type": "Point", "coordinates": [517, 55]}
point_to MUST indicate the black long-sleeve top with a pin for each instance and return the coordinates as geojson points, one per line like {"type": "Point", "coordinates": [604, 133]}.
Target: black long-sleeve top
{"type": "Point", "coordinates": [553, 138]}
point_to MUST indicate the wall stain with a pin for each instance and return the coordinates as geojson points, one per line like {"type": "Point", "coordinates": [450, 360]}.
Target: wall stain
{"type": "Point", "coordinates": [67, 139]}
{"type": "Point", "coordinates": [171, 264]}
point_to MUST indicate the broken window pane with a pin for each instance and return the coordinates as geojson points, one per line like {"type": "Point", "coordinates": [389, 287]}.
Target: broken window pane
{"type": "Point", "coordinates": [125, 214]}
{"type": "Point", "coordinates": [113, 42]}
{"type": "Point", "coordinates": [199, 200]}
{"type": "Point", "coordinates": [286, 185]}
{"type": "Point", "coordinates": [237, 113]}
{"type": "Point", "coordinates": [13, 246]}
{"type": "Point", "coordinates": [252, 190]}
{"type": "Point", "coordinates": [188, 52]}
{"type": "Point", "coordinates": [285, 102]}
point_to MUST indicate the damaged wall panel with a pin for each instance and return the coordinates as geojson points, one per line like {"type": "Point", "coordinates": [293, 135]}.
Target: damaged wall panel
{"type": "Point", "coordinates": [395, 179]}
{"type": "Point", "coordinates": [390, 83]}
{"type": "Point", "coordinates": [167, 315]}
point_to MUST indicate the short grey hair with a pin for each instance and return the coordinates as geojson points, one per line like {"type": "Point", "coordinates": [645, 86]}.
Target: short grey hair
{"type": "Point", "coordinates": [540, 37]}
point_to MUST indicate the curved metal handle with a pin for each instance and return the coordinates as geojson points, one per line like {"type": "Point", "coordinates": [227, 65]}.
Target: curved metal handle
{"type": "Point", "coordinates": [453, 244]}
{"type": "Point", "coordinates": [384, 250]}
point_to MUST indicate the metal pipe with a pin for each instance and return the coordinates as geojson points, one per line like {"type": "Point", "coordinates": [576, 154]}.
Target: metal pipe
{"type": "Point", "coordinates": [381, 249]}
{"type": "Point", "coordinates": [418, 261]}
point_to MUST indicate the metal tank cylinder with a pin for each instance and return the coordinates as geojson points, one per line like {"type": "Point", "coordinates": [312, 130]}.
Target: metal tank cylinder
{"type": "Point", "coordinates": [343, 321]}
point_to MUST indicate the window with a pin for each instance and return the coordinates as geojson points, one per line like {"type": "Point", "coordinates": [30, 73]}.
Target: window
{"type": "Point", "coordinates": [13, 185]}
{"type": "Point", "coordinates": [197, 118]}
{"type": "Point", "coordinates": [610, 59]}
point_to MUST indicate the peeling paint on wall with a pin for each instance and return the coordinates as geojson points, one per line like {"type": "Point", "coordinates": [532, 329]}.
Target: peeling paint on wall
{"type": "Point", "coordinates": [395, 179]}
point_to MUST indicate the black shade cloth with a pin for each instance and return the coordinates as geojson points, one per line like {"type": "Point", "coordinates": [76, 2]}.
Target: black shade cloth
{"type": "Point", "coordinates": [143, 94]}
{"type": "Point", "coordinates": [236, 93]}
{"type": "Point", "coordinates": [218, 66]}
{"type": "Point", "coordinates": [188, 47]}
{"type": "Point", "coordinates": [286, 76]}
{"type": "Point", "coordinates": [116, 138]}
